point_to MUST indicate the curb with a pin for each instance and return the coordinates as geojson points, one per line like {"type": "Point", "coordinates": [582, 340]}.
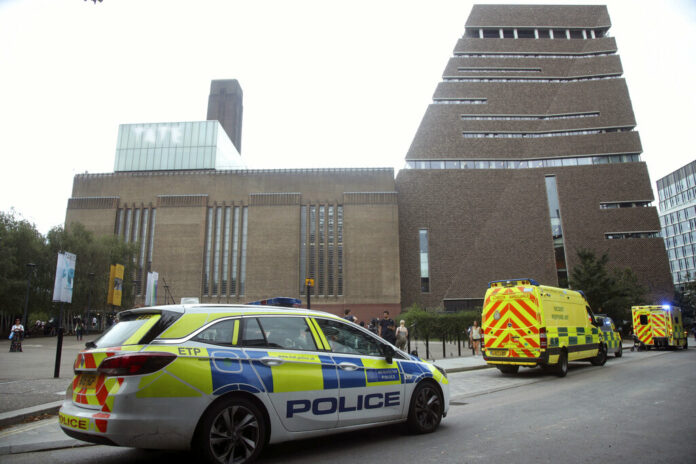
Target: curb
{"type": "Point", "coordinates": [16, 417]}
{"type": "Point", "coordinates": [452, 370]}
{"type": "Point", "coordinates": [44, 446]}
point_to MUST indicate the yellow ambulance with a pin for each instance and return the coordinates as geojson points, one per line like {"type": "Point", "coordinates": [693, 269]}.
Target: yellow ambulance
{"type": "Point", "coordinates": [658, 326]}
{"type": "Point", "coordinates": [528, 324]}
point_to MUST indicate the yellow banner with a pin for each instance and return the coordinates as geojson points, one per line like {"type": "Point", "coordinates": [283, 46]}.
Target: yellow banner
{"type": "Point", "coordinates": [115, 285]}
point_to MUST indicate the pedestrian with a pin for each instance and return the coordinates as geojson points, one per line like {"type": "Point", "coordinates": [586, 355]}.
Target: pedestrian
{"type": "Point", "coordinates": [349, 317]}
{"type": "Point", "coordinates": [388, 333]}
{"type": "Point", "coordinates": [401, 335]}
{"type": "Point", "coordinates": [476, 337]}
{"type": "Point", "coordinates": [16, 334]}
{"type": "Point", "coordinates": [79, 328]}
{"type": "Point", "coordinates": [469, 340]}
{"type": "Point", "coordinates": [384, 323]}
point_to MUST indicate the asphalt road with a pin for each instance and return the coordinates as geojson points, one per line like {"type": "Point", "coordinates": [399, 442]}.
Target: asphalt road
{"type": "Point", "coordinates": [639, 407]}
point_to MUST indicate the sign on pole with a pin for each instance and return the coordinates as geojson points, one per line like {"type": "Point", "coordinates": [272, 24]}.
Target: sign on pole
{"type": "Point", "coordinates": [151, 291]}
{"type": "Point", "coordinates": [65, 276]}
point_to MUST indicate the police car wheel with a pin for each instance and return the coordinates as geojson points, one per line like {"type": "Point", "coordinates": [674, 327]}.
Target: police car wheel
{"type": "Point", "coordinates": [425, 412]}
{"type": "Point", "coordinates": [619, 352]}
{"type": "Point", "coordinates": [233, 431]}
{"type": "Point", "coordinates": [601, 357]}
{"type": "Point", "coordinates": [562, 366]}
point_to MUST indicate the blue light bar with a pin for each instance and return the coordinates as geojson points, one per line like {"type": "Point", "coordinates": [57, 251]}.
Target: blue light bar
{"type": "Point", "coordinates": [283, 301]}
{"type": "Point", "coordinates": [510, 282]}
{"type": "Point", "coordinates": [667, 307]}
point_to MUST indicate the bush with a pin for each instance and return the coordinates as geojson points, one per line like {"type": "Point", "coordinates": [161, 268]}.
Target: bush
{"type": "Point", "coordinates": [424, 323]}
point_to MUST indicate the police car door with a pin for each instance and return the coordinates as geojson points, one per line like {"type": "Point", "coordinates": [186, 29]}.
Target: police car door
{"type": "Point", "coordinates": [371, 390]}
{"type": "Point", "coordinates": [300, 380]}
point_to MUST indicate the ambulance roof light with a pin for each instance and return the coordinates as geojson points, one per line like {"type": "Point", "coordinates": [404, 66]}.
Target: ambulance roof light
{"type": "Point", "coordinates": [667, 307]}
{"type": "Point", "coordinates": [512, 282]}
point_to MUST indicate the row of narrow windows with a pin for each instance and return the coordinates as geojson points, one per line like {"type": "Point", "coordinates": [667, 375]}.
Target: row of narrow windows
{"type": "Point", "coordinates": [631, 235]}
{"type": "Point", "coordinates": [678, 216]}
{"type": "Point", "coordinates": [461, 101]}
{"type": "Point", "coordinates": [527, 117]}
{"type": "Point", "coordinates": [321, 249]}
{"type": "Point", "coordinates": [463, 69]}
{"type": "Point", "coordinates": [225, 249]}
{"type": "Point", "coordinates": [534, 33]}
{"type": "Point", "coordinates": [531, 79]}
{"type": "Point", "coordinates": [137, 225]}
{"type": "Point", "coordinates": [524, 164]}
{"type": "Point", "coordinates": [624, 204]}
{"type": "Point", "coordinates": [536, 135]}
{"type": "Point", "coordinates": [532, 55]}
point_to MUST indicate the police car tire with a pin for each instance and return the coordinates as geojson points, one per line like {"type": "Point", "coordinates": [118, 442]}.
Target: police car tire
{"type": "Point", "coordinates": [425, 410]}
{"type": "Point", "coordinates": [562, 366]}
{"type": "Point", "coordinates": [601, 357]}
{"type": "Point", "coordinates": [619, 352]}
{"type": "Point", "coordinates": [248, 422]}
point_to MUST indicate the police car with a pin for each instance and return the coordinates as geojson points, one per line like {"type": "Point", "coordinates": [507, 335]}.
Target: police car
{"type": "Point", "coordinates": [225, 380]}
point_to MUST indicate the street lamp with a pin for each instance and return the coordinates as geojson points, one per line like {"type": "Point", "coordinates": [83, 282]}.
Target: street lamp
{"type": "Point", "coordinates": [30, 267]}
{"type": "Point", "coordinates": [89, 295]}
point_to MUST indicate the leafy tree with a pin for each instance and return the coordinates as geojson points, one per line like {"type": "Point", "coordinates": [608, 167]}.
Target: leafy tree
{"type": "Point", "coordinates": [610, 292]}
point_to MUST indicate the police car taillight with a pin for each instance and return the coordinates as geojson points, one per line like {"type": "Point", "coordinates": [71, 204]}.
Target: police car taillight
{"type": "Point", "coordinates": [134, 364]}
{"type": "Point", "coordinates": [542, 338]}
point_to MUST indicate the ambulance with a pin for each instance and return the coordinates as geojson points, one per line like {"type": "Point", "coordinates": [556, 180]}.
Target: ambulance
{"type": "Point", "coordinates": [225, 380]}
{"type": "Point", "coordinates": [659, 326]}
{"type": "Point", "coordinates": [528, 324]}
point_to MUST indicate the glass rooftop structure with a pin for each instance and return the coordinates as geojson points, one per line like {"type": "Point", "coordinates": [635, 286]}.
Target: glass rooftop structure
{"type": "Point", "coordinates": [171, 146]}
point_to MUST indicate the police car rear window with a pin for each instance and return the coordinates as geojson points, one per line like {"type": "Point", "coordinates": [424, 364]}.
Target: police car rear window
{"type": "Point", "coordinates": [127, 332]}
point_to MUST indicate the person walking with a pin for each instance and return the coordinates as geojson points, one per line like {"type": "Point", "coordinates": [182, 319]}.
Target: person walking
{"type": "Point", "coordinates": [401, 335]}
{"type": "Point", "coordinates": [476, 337]}
{"type": "Point", "coordinates": [79, 328]}
{"type": "Point", "coordinates": [16, 334]}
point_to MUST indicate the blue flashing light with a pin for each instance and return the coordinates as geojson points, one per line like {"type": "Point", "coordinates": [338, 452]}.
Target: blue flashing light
{"type": "Point", "coordinates": [666, 307]}
{"type": "Point", "coordinates": [278, 301]}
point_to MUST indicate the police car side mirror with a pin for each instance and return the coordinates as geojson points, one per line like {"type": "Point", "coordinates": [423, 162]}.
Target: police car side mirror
{"type": "Point", "coordinates": [388, 353]}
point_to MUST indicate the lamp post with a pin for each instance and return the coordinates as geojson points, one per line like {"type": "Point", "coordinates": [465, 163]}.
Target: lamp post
{"type": "Point", "coordinates": [89, 295]}
{"type": "Point", "coordinates": [30, 267]}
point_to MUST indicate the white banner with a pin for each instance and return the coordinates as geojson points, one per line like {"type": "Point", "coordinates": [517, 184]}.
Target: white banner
{"type": "Point", "coordinates": [151, 290]}
{"type": "Point", "coordinates": [65, 276]}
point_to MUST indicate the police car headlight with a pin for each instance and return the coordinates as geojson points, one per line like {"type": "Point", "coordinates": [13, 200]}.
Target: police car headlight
{"type": "Point", "coordinates": [442, 371]}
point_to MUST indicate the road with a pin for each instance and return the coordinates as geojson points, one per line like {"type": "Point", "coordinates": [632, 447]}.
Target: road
{"type": "Point", "coordinates": [639, 408]}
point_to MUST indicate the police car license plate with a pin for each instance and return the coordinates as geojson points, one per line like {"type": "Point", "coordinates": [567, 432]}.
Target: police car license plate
{"type": "Point", "coordinates": [87, 380]}
{"type": "Point", "coordinates": [497, 352]}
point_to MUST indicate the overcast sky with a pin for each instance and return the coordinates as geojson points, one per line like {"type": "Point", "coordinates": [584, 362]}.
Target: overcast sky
{"type": "Point", "coordinates": [326, 83]}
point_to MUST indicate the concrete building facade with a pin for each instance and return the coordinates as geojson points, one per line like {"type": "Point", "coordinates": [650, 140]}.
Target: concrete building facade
{"type": "Point", "coordinates": [523, 158]}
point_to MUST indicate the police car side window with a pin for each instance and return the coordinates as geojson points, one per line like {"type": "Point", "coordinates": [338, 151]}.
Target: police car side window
{"type": "Point", "coordinates": [291, 333]}
{"type": "Point", "coordinates": [344, 338]}
{"type": "Point", "coordinates": [218, 334]}
{"type": "Point", "coordinates": [252, 333]}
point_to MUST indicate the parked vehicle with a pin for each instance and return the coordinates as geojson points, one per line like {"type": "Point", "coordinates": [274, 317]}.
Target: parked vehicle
{"type": "Point", "coordinates": [659, 326]}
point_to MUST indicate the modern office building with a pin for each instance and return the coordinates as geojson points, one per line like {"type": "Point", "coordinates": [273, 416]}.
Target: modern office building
{"type": "Point", "coordinates": [527, 154]}
{"type": "Point", "coordinates": [677, 195]}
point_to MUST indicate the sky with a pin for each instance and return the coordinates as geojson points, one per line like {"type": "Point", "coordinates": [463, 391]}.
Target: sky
{"type": "Point", "coordinates": [326, 83]}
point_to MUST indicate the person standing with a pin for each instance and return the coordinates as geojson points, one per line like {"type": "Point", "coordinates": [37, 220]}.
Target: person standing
{"type": "Point", "coordinates": [388, 333]}
{"type": "Point", "coordinates": [384, 323]}
{"type": "Point", "coordinates": [476, 337]}
{"type": "Point", "coordinates": [79, 328]}
{"type": "Point", "coordinates": [16, 334]}
{"type": "Point", "coordinates": [349, 317]}
{"type": "Point", "coordinates": [401, 335]}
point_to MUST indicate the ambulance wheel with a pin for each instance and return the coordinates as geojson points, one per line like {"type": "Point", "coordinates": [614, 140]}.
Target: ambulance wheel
{"type": "Point", "coordinates": [425, 411]}
{"type": "Point", "coordinates": [508, 369]}
{"type": "Point", "coordinates": [601, 357]}
{"type": "Point", "coordinates": [232, 430]}
{"type": "Point", "coordinates": [561, 369]}
{"type": "Point", "coordinates": [686, 344]}
{"type": "Point", "coordinates": [619, 353]}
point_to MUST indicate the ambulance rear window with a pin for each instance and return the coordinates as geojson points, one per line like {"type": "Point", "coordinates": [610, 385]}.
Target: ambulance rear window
{"type": "Point", "coordinates": [643, 319]}
{"type": "Point", "coordinates": [127, 332]}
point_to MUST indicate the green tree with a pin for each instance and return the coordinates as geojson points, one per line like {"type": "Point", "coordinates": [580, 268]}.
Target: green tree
{"type": "Point", "coordinates": [609, 292]}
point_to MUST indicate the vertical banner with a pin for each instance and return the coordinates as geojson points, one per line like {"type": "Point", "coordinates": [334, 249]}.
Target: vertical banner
{"type": "Point", "coordinates": [151, 291]}
{"type": "Point", "coordinates": [110, 294]}
{"type": "Point", "coordinates": [65, 276]}
{"type": "Point", "coordinates": [118, 284]}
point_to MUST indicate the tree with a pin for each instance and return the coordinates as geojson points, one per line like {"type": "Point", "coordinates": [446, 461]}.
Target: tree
{"type": "Point", "coordinates": [612, 293]}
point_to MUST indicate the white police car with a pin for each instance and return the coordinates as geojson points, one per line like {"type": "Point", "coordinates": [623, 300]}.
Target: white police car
{"type": "Point", "coordinates": [227, 379]}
